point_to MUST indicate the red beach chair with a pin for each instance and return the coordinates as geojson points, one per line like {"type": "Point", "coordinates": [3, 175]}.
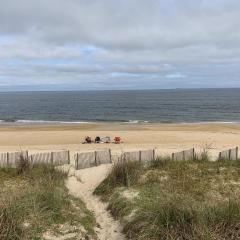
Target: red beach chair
{"type": "Point", "coordinates": [117, 140]}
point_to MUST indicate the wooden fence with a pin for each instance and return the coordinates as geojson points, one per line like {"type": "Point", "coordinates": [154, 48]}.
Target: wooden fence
{"type": "Point", "coordinates": [11, 159]}
{"type": "Point", "coordinates": [91, 159]}
{"type": "Point", "coordinates": [230, 154]}
{"type": "Point", "coordinates": [184, 155]}
{"type": "Point", "coordinates": [54, 158]}
{"type": "Point", "coordinates": [142, 156]}
{"type": "Point", "coordinates": [95, 158]}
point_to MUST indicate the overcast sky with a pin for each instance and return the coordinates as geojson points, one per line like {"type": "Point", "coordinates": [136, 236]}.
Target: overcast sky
{"type": "Point", "coordinates": [124, 44]}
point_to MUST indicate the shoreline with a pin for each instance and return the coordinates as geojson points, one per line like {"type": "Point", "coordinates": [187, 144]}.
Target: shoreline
{"type": "Point", "coordinates": [58, 122]}
{"type": "Point", "coordinates": [79, 123]}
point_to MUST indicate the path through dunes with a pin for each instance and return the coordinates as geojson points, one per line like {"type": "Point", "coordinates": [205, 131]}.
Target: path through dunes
{"type": "Point", "coordinates": [82, 185]}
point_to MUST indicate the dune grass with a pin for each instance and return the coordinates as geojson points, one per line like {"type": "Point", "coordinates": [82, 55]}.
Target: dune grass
{"type": "Point", "coordinates": [35, 200]}
{"type": "Point", "coordinates": [122, 174]}
{"type": "Point", "coordinates": [196, 199]}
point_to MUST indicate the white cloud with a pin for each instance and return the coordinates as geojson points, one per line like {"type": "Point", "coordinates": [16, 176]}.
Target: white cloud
{"type": "Point", "coordinates": [84, 41]}
{"type": "Point", "coordinates": [175, 75]}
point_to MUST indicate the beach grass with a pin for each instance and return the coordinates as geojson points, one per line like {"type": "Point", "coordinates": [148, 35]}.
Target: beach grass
{"type": "Point", "coordinates": [34, 201]}
{"type": "Point", "coordinates": [197, 199]}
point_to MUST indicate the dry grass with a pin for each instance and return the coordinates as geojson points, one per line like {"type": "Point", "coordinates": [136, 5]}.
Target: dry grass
{"type": "Point", "coordinates": [122, 174]}
{"type": "Point", "coordinates": [196, 199]}
{"type": "Point", "coordinates": [35, 200]}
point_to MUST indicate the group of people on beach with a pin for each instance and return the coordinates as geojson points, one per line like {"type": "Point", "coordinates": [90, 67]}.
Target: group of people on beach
{"type": "Point", "coordinates": [107, 139]}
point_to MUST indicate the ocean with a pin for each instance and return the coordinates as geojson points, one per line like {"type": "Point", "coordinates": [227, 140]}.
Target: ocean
{"type": "Point", "coordinates": [167, 106]}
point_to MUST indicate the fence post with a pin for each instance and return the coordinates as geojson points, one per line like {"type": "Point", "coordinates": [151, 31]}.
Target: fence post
{"type": "Point", "coordinates": [153, 154]}
{"type": "Point", "coordinates": [27, 154]}
{"type": "Point", "coordinates": [68, 157]}
{"type": "Point", "coordinates": [229, 154]}
{"type": "Point", "coordinates": [193, 153]}
{"type": "Point", "coordinates": [110, 155]}
{"type": "Point", "coordinates": [220, 155]}
{"type": "Point", "coordinates": [76, 162]}
{"type": "Point", "coordinates": [95, 153]}
{"type": "Point", "coordinates": [7, 158]}
{"type": "Point", "coordinates": [31, 160]}
{"type": "Point", "coordinates": [172, 156]}
{"type": "Point", "coordinates": [140, 156]}
{"type": "Point", "coordinates": [52, 158]}
{"type": "Point", "coordinates": [236, 153]}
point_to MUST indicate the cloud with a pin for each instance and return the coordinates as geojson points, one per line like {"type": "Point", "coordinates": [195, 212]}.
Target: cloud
{"type": "Point", "coordinates": [87, 41]}
{"type": "Point", "coordinates": [175, 75]}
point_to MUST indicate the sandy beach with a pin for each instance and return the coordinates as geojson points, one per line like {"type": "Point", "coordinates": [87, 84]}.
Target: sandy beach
{"type": "Point", "coordinates": [166, 138]}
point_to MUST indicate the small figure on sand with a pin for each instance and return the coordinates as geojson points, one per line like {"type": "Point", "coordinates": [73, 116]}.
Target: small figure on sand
{"type": "Point", "coordinates": [88, 140]}
{"type": "Point", "coordinates": [97, 139]}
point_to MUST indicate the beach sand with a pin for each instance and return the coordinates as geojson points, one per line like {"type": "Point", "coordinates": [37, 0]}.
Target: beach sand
{"type": "Point", "coordinates": [108, 228]}
{"type": "Point", "coordinates": [166, 138]}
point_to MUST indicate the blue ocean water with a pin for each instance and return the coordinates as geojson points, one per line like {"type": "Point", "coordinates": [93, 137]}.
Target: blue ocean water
{"type": "Point", "coordinates": [204, 105]}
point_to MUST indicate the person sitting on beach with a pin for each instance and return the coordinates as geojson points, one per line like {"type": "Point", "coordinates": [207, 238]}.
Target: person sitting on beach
{"type": "Point", "coordinates": [88, 139]}
{"type": "Point", "coordinates": [97, 139]}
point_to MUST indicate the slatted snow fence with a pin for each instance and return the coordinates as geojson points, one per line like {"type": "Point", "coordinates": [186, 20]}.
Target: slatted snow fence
{"type": "Point", "coordinates": [91, 159]}
{"type": "Point", "coordinates": [61, 158]}
{"type": "Point", "coordinates": [184, 155]}
{"type": "Point", "coordinates": [54, 158]}
{"type": "Point", "coordinates": [103, 157]}
{"type": "Point", "coordinates": [11, 159]}
{"type": "Point", "coordinates": [147, 155]}
{"type": "Point", "coordinates": [230, 154]}
{"type": "Point", "coordinates": [131, 156]}
{"type": "Point", "coordinates": [84, 160]}
{"type": "Point", "coordinates": [142, 156]}
{"type": "Point", "coordinates": [41, 158]}
{"type": "Point", "coordinates": [3, 159]}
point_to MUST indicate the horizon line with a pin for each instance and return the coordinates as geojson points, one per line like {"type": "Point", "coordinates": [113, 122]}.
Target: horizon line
{"type": "Point", "coordinates": [108, 90]}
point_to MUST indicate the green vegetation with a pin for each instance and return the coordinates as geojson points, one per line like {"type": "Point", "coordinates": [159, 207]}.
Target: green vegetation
{"type": "Point", "coordinates": [197, 199]}
{"type": "Point", "coordinates": [122, 174]}
{"type": "Point", "coordinates": [34, 201]}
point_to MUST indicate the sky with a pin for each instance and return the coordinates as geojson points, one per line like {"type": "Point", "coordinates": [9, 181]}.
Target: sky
{"type": "Point", "coordinates": [124, 44]}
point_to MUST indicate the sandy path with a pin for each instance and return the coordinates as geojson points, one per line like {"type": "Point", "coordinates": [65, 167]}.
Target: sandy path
{"type": "Point", "coordinates": [82, 185]}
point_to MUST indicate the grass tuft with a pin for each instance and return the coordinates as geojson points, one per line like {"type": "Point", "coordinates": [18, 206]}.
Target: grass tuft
{"type": "Point", "coordinates": [23, 164]}
{"type": "Point", "coordinates": [160, 162]}
{"type": "Point", "coordinates": [122, 174]}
